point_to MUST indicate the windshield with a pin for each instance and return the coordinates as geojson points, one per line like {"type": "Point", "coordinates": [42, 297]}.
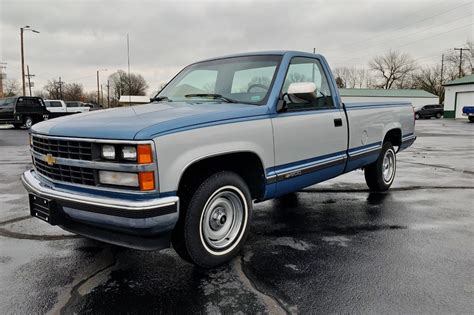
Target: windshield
{"type": "Point", "coordinates": [239, 79]}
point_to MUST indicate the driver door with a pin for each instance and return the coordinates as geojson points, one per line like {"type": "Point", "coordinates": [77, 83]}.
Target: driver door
{"type": "Point", "coordinates": [310, 137]}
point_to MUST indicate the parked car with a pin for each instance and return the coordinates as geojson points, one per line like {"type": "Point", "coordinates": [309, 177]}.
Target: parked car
{"type": "Point", "coordinates": [224, 133]}
{"type": "Point", "coordinates": [429, 111]}
{"type": "Point", "coordinates": [22, 111]}
{"type": "Point", "coordinates": [59, 108]}
{"type": "Point", "coordinates": [93, 106]}
{"type": "Point", "coordinates": [469, 112]}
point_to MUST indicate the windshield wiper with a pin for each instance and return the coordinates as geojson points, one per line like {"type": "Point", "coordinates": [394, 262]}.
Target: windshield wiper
{"type": "Point", "coordinates": [159, 99]}
{"type": "Point", "coordinates": [211, 96]}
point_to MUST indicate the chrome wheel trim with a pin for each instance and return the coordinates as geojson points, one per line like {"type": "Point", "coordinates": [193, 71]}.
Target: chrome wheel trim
{"type": "Point", "coordinates": [28, 123]}
{"type": "Point", "coordinates": [223, 220]}
{"type": "Point", "coordinates": [388, 166]}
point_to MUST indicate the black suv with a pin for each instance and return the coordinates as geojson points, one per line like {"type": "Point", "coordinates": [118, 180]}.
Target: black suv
{"type": "Point", "coordinates": [22, 111]}
{"type": "Point", "coordinates": [429, 111]}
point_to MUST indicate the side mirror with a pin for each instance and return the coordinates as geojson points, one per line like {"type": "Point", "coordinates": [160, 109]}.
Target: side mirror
{"type": "Point", "coordinates": [303, 90]}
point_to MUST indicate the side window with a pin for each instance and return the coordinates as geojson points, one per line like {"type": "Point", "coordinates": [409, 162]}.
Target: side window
{"type": "Point", "coordinates": [55, 104]}
{"type": "Point", "coordinates": [303, 69]}
{"type": "Point", "coordinates": [197, 82]}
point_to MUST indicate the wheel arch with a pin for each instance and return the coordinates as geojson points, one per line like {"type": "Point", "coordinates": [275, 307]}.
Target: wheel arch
{"type": "Point", "coordinates": [247, 164]}
{"type": "Point", "coordinates": [394, 136]}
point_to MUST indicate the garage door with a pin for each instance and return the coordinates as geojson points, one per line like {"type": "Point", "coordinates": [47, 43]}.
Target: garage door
{"type": "Point", "coordinates": [463, 99]}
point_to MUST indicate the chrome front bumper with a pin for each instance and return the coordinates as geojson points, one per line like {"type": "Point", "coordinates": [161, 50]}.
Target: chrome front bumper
{"type": "Point", "coordinates": [136, 223]}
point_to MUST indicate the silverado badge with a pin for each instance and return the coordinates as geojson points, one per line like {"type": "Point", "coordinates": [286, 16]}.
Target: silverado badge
{"type": "Point", "coordinates": [50, 159]}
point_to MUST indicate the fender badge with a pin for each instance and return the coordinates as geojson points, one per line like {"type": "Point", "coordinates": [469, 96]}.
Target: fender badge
{"type": "Point", "coordinates": [50, 159]}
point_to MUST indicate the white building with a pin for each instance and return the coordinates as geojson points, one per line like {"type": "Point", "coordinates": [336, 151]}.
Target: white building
{"type": "Point", "coordinates": [457, 94]}
{"type": "Point", "coordinates": [418, 98]}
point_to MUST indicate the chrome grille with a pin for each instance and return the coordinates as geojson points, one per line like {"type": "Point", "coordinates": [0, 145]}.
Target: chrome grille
{"type": "Point", "coordinates": [65, 173]}
{"type": "Point", "coordinates": [69, 149]}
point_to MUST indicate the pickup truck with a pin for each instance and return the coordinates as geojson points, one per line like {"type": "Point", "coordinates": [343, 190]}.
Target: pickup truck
{"type": "Point", "coordinates": [22, 111]}
{"type": "Point", "coordinates": [59, 108]}
{"type": "Point", "coordinates": [469, 112]}
{"type": "Point", "coordinates": [185, 169]}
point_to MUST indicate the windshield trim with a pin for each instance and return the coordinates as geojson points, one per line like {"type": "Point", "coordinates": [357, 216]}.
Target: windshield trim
{"type": "Point", "coordinates": [270, 88]}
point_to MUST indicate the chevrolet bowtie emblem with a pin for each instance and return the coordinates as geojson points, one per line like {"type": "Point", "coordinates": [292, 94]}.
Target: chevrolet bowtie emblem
{"type": "Point", "coordinates": [50, 159]}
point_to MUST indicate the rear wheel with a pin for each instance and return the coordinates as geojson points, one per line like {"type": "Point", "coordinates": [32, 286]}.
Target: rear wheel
{"type": "Point", "coordinates": [438, 115]}
{"type": "Point", "coordinates": [379, 175]}
{"type": "Point", "coordinates": [214, 226]}
{"type": "Point", "coordinates": [28, 122]}
{"type": "Point", "coordinates": [471, 118]}
{"type": "Point", "coordinates": [417, 116]}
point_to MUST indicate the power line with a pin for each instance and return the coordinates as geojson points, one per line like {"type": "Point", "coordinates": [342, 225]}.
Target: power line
{"type": "Point", "coordinates": [406, 35]}
{"type": "Point", "coordinates": [405, 26]}
{"type": "Point", "coordinates": [419, 40]}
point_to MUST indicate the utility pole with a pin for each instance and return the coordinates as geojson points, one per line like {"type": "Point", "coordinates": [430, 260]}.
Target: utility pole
{"type": "Point", "coordinates": [98, 95]}
{"type": "Point", "coordinates": [442, 69]}
{"type": "Point", "coordinates": [441, 78]}
{"type": "Point", "coordinates": [22, 29]}
{"type": "Point", "coordinates": [60, 83]}
{"type": "Point", "coordinates": [101, 95]}
{"type": "Point", "coordinates": [22, 62]}
{"type": "Point", "coordinates": [3, 66]}
{"type": "Point", "coordinates": [460, 59]}
{"type": "Point", "coordinates": [29, 77]}
{"type": "Point", "coordinates": [108, 94]}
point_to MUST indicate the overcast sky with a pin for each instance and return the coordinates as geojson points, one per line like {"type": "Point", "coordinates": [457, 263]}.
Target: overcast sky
{"type": "Point", "coordinates": [79, 37]}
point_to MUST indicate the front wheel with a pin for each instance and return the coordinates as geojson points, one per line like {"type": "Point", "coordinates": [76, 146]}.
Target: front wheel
{"type": "Point", "coordinates": [471, 118]}
{"type": "Point", "coordinates": [417, 116]}
{"type": "Point", "coordinates": [215, 224]}
{"type": "Point", "coordinates": [379, 175]}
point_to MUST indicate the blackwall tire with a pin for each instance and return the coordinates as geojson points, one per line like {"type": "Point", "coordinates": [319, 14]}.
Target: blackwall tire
{"type": "Point", "coordinates": [28, 122]}
{"type": "Point", "coordinates": [379, 175]}
{"type": "Point", "coordinates": [215, 224]}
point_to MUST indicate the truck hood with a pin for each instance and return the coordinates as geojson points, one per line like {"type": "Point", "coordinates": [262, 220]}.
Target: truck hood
{"type": "Point", "coordinates": [146, 121]}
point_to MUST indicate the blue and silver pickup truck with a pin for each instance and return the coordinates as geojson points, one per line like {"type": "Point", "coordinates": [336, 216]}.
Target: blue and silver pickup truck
{"type": "Point", "coordinates": [185, 169]}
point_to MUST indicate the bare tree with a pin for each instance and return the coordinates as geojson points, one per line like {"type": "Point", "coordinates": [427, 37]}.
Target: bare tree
{"type": "Point", "coordinates": [122, 84]}
{"type": "Point", "coordinates": [352, 77]}
{"type": "Point", "coordinates": [11, 87]}
{"type": "Point", "coordinates": [53, 89]}
{"type": "Point", "coordinates": [73, 92]}
{"type": "Point", "coordinates": [392, 68]}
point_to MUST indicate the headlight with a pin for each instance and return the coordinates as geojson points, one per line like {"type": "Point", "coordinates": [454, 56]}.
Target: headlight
{"type": "Point", "coordinates": [119, 178]}
{"type": "Point", "coordinates": [108, 152]}
{"type": "Point", "coordinates": [129, 153]}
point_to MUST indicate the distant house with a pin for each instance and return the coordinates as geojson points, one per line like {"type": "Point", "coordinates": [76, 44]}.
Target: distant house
{"type": "Point", "coordinates": [457, 94]}
{"type": "Point", "coordinates": [417, 98]}
{"type": "Point", "coordinates": [125, 100]}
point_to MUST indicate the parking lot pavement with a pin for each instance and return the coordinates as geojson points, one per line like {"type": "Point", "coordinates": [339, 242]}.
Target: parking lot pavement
{"type": "Point", "coordinates": [331, 248]}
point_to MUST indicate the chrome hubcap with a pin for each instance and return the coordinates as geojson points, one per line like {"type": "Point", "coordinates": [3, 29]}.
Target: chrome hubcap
{"type": "Point", "coordinates": [28, 123]}
{"type": "Point", "coordinates": [222, 219]}
{"type": "Point", "coordinates": [388, 166]}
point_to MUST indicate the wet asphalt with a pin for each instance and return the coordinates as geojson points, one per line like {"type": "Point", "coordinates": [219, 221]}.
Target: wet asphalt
{"type": "Point", "coordinates": [331, 248]}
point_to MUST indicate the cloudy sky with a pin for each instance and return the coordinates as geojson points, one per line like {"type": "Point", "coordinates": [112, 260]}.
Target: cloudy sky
{"type": "Point", "coordinates": [78, 37]}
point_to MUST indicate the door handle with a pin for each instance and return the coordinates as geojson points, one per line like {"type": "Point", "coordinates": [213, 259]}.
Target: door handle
{"type": "Point", "coordinates": [337, 122]}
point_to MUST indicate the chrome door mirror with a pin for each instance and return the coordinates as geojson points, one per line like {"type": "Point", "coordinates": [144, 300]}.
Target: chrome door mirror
{"type": "Point", "coordinates": [303, 90]}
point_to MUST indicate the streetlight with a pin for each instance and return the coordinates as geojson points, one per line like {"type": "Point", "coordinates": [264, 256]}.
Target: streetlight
{"type": "Point", "coordinates": [22, 29]}
{"type": "Point", "coordinates": [98, 90]}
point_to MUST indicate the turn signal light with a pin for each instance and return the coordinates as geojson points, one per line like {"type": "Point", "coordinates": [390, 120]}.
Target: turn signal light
{"type": "Point", "coordinates": [144, 154]}
{"type": "Point", "coordinates": [147, 181]}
